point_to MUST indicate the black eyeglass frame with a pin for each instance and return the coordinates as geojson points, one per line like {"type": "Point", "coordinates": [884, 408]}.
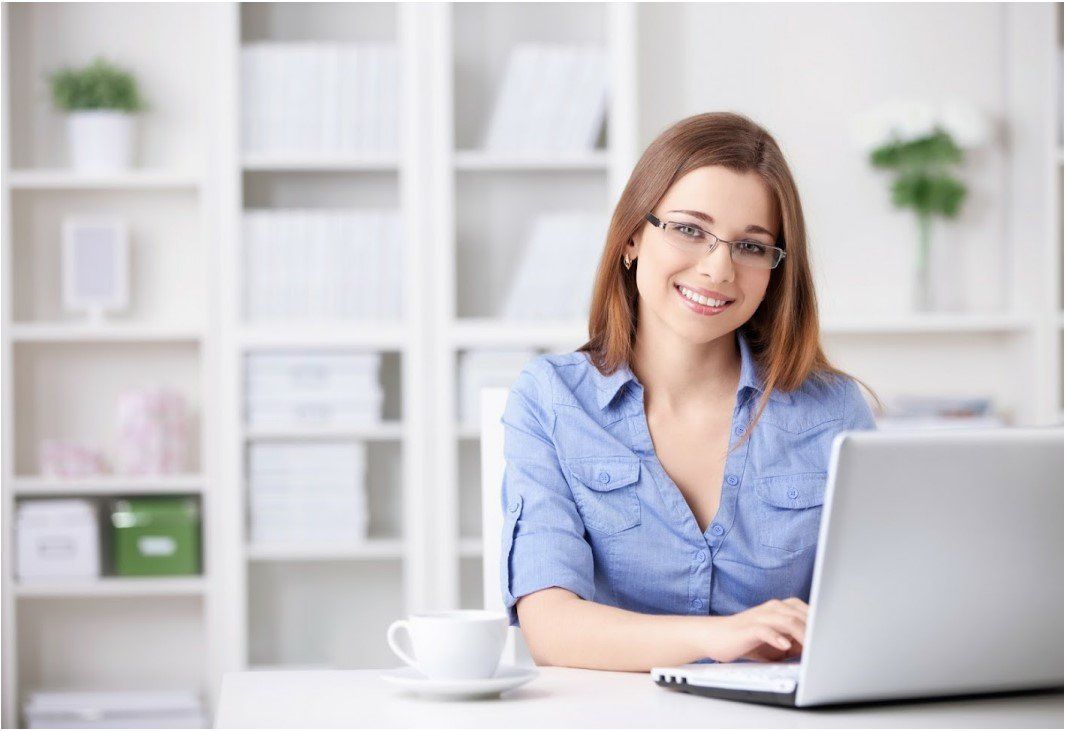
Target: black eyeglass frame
{"type": "Point", "coordinates": [654, 221]}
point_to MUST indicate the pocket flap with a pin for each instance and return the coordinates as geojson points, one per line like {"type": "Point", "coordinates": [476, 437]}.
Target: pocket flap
{"type": "Point", "coordinates": [803, 490]}
{"type": "Point", "coordinates": [605, 473]}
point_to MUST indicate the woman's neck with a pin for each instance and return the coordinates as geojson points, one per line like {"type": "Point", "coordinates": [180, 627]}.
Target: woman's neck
{"type": "Point", "coordinates": [683, 378]}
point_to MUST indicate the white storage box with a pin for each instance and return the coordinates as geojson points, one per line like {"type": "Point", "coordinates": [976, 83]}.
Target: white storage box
{"type": "Point", "coordinates": [57, 539]}
{"type": "Point", "coordinates": [315, 411]}
{"type": "Point", "coordinates": [99, 709]}
{"type": "Point", "coordinates": [321, 458]}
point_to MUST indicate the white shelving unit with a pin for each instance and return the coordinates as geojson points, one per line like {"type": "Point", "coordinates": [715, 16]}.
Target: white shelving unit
{"type": "Point", "coordinates": [62, 376]}
{"type": "Point", "coordinates": [329, 605]}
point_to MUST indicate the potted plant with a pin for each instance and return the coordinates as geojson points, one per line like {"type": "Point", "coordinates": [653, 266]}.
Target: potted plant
{"type": "Point", "coordinates": [101, 100]}
{"type": "Point", "coordinates": [923, 144]}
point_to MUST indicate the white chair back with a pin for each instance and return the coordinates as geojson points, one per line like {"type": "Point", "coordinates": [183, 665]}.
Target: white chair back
{"type": "Point", "coordinates": [493, 401]}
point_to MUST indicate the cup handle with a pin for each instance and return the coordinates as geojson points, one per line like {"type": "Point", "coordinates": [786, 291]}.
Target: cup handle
{"type": "Point", "coordinates": [391, 637]}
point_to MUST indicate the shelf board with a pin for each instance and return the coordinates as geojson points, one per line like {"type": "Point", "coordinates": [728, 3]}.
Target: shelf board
{"type": "Point", "coordinates": [113, 586]}
{"type": "Point", "coordinates": [331, 162]}
{"type": "Point", "coordinates": [469, 547]}
{"type": "Point", "coordinates": [490, 160]}
{"type": "Point", "coordinates": [373, 548]}
{"type": "Point", "coordinates": [935, 323]}
{"type": "Point", "coordinates": [467, 431]}
{"type": "Point", "coordinates": [108, 485]}
{"type": "Point", "coordinates": [41, 332]}
{"type": "Point", "coordinates": [385, 431]}
{"type": "Point", "coordinates": [61, 179]}
{"type": "Point", "coordinates": [385, 336]}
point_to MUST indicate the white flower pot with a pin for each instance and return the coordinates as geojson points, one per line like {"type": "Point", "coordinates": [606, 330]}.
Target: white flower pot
{"type": "Point", "coordinates": [100, 140]}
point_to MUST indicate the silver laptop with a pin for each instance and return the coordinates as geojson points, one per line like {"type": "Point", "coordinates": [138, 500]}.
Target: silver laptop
{"type": "Point", "coordinates": [938, 573]}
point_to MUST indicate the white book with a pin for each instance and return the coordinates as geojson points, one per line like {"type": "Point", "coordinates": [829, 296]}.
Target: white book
{"type": "Point", "coordinates": [269, 248]}
{"type": "Point", "coordinates": [576, 83]}
{"type": "Point", "coordinates": [253, 267]}
{"type": "Point", "coordinates": [391, 93]}
{"type": "Point", "coordinates": [362, 91]}
{"type": "Point", "coordinates": [504, 119]}
{"type": "Point", "coordinates": [372, 100]}
{"type": "Point", "coordinates": [593, 95]}
{"type": "Point", "coordinates": [534, 119]}
{"type": "Point", "coordinates": [281, 94]}
{"type": "Point", "coordinates": [374, 273]}
{"type": "Point", "coordinates": [399, 244]}
{"type": "Point", "coordinates": [558, 62]}
{"type": "Point", "coordinates": [247, 113]}
{"type": "Point", "coordinates": [329, 127]}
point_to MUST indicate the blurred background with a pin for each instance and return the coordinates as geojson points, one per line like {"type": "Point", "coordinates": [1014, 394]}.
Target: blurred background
{"type": "Point", "coordinates": [259, 258]}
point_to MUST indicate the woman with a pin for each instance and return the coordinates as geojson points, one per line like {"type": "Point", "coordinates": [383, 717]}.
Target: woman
{"type": "Point", "coordinates": [664, 482]}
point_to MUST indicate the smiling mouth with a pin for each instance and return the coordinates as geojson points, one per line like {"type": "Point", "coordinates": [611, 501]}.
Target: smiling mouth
{"type": "Point", "coordinates": [704, 305]}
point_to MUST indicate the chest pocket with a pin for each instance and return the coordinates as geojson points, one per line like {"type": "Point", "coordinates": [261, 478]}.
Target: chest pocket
{"type": "Point", "coordinates": [605, 490]}
{"type": "Point", "coordinates": [791, 509]}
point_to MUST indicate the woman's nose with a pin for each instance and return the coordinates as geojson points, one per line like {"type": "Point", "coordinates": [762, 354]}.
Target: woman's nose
{"type": "Point", "coordinates": [717, 264]}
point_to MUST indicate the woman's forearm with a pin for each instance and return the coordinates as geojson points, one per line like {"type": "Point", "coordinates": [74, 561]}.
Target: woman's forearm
{"type": "Point", "coordinates": [561, 628]}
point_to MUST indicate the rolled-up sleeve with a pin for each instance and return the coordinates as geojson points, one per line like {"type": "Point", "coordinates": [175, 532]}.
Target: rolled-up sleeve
{"type": "Point", "coordinates": [857, 413]}
{"type": "Point", "coordinates": [543, 541]}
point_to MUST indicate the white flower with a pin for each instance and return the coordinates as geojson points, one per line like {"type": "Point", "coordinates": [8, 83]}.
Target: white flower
{"type": "Point", "coordinates": [966, 124]}
{"type": "Point", "coordinates": [908, 120]}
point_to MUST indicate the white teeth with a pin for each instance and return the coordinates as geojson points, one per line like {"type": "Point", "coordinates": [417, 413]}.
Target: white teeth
{"type": "Point", "coordinates": [699, 298]}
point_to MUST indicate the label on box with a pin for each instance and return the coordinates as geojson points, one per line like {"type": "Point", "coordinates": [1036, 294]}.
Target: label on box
{"type": "Point", "coordinates": [157, 545]}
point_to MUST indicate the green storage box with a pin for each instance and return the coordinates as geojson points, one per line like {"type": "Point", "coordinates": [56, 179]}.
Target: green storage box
{"type": "Point", "coordinates": [155, 536]}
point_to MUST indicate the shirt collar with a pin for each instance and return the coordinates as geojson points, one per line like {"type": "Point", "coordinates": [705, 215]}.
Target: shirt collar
{"type": "Point", "coordinates": [608, 386]}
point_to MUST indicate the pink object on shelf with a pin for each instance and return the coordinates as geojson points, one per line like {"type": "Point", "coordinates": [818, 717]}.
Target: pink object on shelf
{"type": "Point", "coordinates": [153, 432]}
{"type": "Point", "coordinates": [68, 458]}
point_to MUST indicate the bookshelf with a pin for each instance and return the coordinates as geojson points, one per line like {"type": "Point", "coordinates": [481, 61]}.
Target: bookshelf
{"type": "Point", "coordinates": [63, 376]}
{"type": "Point", "coordinates": [268, 605]}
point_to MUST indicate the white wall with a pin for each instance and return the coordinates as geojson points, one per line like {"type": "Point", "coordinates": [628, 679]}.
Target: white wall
{"type": "Point", "coordinates": [802, 71]}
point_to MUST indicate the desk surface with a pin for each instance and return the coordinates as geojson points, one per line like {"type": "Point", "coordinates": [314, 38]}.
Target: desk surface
{"type": "Point", "coordinates": [567, 697]}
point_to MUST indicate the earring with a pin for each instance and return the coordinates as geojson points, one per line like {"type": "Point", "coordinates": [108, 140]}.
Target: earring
{"type": "Point", "coordinates": [627, 261]}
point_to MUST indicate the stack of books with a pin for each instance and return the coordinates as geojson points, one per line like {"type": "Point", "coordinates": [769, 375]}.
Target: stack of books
{"type": "Point", "coordinates": [557, 267]}
{"type": "Point", "coordinates": [322, 389]}
{"type": "Point", "coordinates": [322, 264]}
{"type": "Point", "coordinates": [939, 412]}
{"type": "Point", "coordinates": [553, 98]}
{"type": "Point", "coordinates": [317, 97]}
{"type": "Point", "coordinates": [484, 368]}
{"type": "Point", "coordinates": [307, 493]}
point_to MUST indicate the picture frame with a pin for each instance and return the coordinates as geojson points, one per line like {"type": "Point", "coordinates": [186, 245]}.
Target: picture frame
{"type": "Point", "coordinates": [95, 265]}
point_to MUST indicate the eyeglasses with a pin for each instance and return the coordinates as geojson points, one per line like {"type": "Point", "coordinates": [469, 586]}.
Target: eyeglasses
{"type": "Point", "coordinates": [693, 240]}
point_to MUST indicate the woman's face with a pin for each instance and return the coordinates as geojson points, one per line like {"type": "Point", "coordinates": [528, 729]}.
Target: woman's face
{"type": "Point", "coordinates": [734, 202]}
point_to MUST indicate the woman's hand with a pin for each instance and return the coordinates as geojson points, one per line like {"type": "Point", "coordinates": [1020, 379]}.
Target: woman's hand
{"type": "Point", "coordinates": [770, 632]}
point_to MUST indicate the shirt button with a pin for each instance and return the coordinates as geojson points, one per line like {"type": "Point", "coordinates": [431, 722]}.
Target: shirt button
{"type": "Point", "coordinates": [605, 478]}
{"type": "Point", "coordinates": [514, 507]}
{"type": "Point", "coordinates": [732, 479]}
{"type": "Point", "coordinates": [738, 431]}
{"type": "Point", "coordinates": [697, 603]}
{"type": "Point", "coordinates": [792, 492]}
{"type": "Point", "coordinates": [717, 529]}
{"type": "Point", "coordinates": [700, 556]}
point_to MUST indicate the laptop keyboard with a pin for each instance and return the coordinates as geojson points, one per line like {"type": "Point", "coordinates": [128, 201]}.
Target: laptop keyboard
{"type": "Point", "coordinates": [779, 677]}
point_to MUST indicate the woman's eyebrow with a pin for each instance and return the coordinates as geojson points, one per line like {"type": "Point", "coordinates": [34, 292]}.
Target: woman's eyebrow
{"type": "Point", "coordinates": [752, 228]}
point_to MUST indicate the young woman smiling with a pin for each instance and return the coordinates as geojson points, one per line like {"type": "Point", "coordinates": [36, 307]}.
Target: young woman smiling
{"type": "Point", "coordinates": [664, 482]}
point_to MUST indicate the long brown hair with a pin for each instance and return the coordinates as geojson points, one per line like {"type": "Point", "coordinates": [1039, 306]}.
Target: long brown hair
{"type": "Point", "coordinates": [783, 332]}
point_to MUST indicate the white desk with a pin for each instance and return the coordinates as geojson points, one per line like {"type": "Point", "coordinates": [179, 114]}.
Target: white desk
{"type": "Point", "coordinates": [566, 697]}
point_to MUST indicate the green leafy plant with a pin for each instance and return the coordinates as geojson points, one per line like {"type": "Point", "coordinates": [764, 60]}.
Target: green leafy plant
{"type": "Point", "coordinates": [923, 182]}
{"type": "Point", "coordinates": [99, 85]}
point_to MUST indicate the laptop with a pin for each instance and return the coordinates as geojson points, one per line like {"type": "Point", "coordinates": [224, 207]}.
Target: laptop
{"type": "Point", "coordinates": [938, 572]}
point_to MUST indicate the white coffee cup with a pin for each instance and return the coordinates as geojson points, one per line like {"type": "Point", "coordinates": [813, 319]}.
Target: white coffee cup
{"type": "Point", "coordinates": [458, 644]}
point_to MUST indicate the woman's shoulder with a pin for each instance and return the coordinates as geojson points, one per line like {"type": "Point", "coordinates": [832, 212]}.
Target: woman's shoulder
{"type": "Point", "coordinates": [827, 396]}
{"type": "Point", "coordinates": [554, 379]}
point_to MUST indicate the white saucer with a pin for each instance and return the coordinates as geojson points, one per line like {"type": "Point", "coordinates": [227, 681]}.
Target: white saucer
{"type": "Point", "coordinates": [506, 678]}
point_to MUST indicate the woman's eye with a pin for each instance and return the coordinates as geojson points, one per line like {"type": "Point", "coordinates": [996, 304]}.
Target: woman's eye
{"type": "Point", "coordinates": [752, 246]}
{"type": "Point", "coordinates": [689, 230]}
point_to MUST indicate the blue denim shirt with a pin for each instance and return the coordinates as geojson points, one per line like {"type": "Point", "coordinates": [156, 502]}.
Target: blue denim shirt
{"type": "Point", "coordinates": [588, 507]}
